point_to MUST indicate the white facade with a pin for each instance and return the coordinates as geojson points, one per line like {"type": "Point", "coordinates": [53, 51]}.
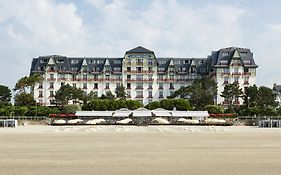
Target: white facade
{"type": "Point", "coordinates": [145, 77]}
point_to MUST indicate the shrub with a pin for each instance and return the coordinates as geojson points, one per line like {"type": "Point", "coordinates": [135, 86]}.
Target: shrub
{"type": "Point", "coordinates": [71, 109]}
{"type": "Point", "coordinates": [214, 109]}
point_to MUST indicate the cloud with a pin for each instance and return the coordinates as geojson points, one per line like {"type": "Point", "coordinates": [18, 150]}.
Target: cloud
{"type": "Point", "coordinates": [32, 28]}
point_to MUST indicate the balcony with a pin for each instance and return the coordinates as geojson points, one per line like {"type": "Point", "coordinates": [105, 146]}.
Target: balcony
{"type": "Point", "coordinates": [246, 73]}
{"type": "Point", "coordinates": [225, 73]}
{"type": "Point", "coordinates": [106, 88]}
{"type": "Point", "coordinates": [236, 73]}
{"type": "Point", "coordinates": [51, 79]}
{"type": "Point", "coordinates": [160, 87]}
{"type": "Point", "coordinates": [236, 64]}
{"type": "Point", "coordinates": [160, 96]}
{"type": "Point", "coordinates": [149, 88]}
{"type": "Point", "coordinates": [150, 96]}
{"type": "Point", "coordinates": [169, 79]}
{"type": "Point", "coordinates": [225, 82]}
{"type": "Point", "coordinates": [62, 79]}
{"type": "Point", "coordinates": [139, 96]}
{"type": "Point", "coordinates": [50, 70]}
{"type": "Point", "coordinates": [246, 82]}
{"type": "Point", "coordinates": [139, 88]}
{"type": "Point", "coordinates": [172, 87]}
{"type": "Point", "coordinates": [40, 96]}
{"type": "Point", "coordinates": [139, 63]}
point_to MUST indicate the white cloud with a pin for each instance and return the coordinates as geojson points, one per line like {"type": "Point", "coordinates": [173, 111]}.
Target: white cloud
{"type": "Point", "coordinates": [32, 28]}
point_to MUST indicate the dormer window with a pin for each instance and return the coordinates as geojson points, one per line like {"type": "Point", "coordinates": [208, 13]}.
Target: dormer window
{"type": "Point", "coordinates": [74, 61]}
{"type": "Point", "coordinates": [44, 61]}
{"type": "Point", "coordinates": [223, 62]}
{"type": "Point", "coordinates": [60, 61]}
{"type": "Point", "coordinates": [74, 68]}
{"type": "Point", "coordinates": [225, 54]}
{"type": "Point", "coordinates": [247, 61]}
{"type": "Point", "coordinates": [243, 53]}
{"type": "Point", "coordinates": [117, 62]}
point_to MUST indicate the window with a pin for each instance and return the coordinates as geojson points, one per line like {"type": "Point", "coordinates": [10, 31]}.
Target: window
{"type": "Point", "coordinates": [74, 85]}
{"type": "Point", "coordinates": [74, 77]}
{"type": "Point", "coordinates": [162, 62]}
{"type": "Point", "coordinates": [117, 69]}
{"type": "Point", "coordinates": [160, 77]}
{"type": "Point", "coordinates": [117, 62]}
{"type": "Point", "coordinates": [139, 69]}
{"type": "Point", "coordinates": [172, 86]}
{"type": "Point", "coordinates": [149, 85]}
{"type": "Point", "coordinates": [226, 70]}
{"type": "Point", "coordinates": [40, 86]}
{"type": "Point", "coordinates": [128, 85]}
{"type": "Point", "coordinates": [60, 61]}
{"type": "Point", "coordinates": [225, 54]}
{"type": "Point", "coordinates": [51, 93]}
{"type": "Point", "coordinates": [139, 77]}
{"type": "Point", "coordinates": [52, 76]}
{"type": "Point", "coordinates": [150, 69]}
{"type": "Point", "coordinates": [172, 77]}
{"type": "Point", "coordinates": [74, 61]}
{"type": "Point", "coordinates": [128, 77]}
{"type": "Point", "coordinates": [51, 85]}
{"type": "Point", "coordinates": [243, 53]}
{"type": "Point", "coordinates": [225, 80]}
{"type": "Point", "coordinates": [128, 69]}
{"type": "Point", "coordinates": [107, 77]}
{"type": "Point", "coordinates": [150, 94]}
{"type": "Point", "coordinates": [246, 69]}
{"type": "Point", "coordinates": [85, 77]}
{"type": "Point", "coordinates": [62, 84]}
{"type": "Point", "coordinates": [106, 85]}
{"type": "Point", "coordinates": [40, 93]}
{"type": "Point", "coordinates": [247, 62]}
{"type": "Point", "coordinates": [84, 85]}
{"type": "Point", "coordinates": [246, 80]}
{"type": "Point", "coordinates": [235, 70]}
{"type": "Point", "coordinates": [150, 61]}
{"type": "Point", "coordinates": [118, 85]}
{"type": "Point", "coordinates": [160, 94]}
{"type": "Point", "coordinates": [150, 77]}
{"type": "Point", "coordinates": [236, 79]}
{"type": "Point", "coordinates": [43, 61]}
{"type": "Point", "coordinates": [223, 62]}
{"type": "Point", "coordinates": [139, 94]}
{"type": "Point", "coordinates": [96, 77]}
{"type": "Point", "coordinates": [96, 86]}
{"type": "Point", "coordinates": [139, 86]}
{"type": "Point", "coordinates": [74, 69]}
{"type": "Point", "coordinates": [160, 85]}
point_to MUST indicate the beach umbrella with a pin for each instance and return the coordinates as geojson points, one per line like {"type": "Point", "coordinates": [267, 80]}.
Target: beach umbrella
{"type": "Point", "coordinates": [53, 115]}
{"type": "Point", "coordinates": [60, 121]}
{"type": "Point", "coordinates": [62, 115]}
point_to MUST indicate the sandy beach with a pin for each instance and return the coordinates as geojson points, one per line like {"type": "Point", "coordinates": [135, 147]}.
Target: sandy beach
{"type": "Point", "coordinates": [33, 150]}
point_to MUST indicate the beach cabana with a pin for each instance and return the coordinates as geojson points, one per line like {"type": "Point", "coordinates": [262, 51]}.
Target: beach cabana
{"type": "Point", "coordinates": [90, 115]}
{"type": "Point", "coordinates": [193, 115]}
{"type": "Point", "coordinates": [165, 114]}
{"type": "Point", "coordinates": [141, 117]}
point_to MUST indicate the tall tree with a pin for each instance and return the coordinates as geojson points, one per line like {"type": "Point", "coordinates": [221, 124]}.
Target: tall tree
{"type": "Point", "coordinates": [266, 97]}
{"type": "Point", "coordinates": [251, 96]}
{"type": "Point", "coordinates": [120, 92]}
{"type": "Point", "coordinates": [27, 82]}
{"type": "Point", "coordinates": [231, 92]}
{"type": "Point", "coordinates": [24, 99]}
{"type": "Point", "coordinates": [108, 95]}
{"type": "Point", "coordinates": [5, 95]}
{"type": "Point", "coordinates": [200, 93]}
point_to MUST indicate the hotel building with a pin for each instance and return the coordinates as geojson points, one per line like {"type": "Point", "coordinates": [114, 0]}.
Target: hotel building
{"type": "Point", "coordinates": [145, 77]}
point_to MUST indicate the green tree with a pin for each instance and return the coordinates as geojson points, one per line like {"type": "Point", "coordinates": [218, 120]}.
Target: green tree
{"type": "Point", "coordinates": [251, 96]}
{"type": "Point", "coordinates": [63, 95]}
{"type": "Point", "coordinates": [200, 93]}
{"type": "Point", "coordinates": [71, 109]}
{"type": "Point", "coordinates": [24, 99]}
{"type": "Point", "coordinates": [153, 105]}
{"type": "Point", "coordinates": [133, 104]}
{"type": "Point", "coordinates": [108, 95]}
{"type": "Point", "coordinates": [27, 82]}
{"type": "Point", "coordinates": [230, 93]}
{"type": "Point", "coordinates": [266, 98]}
{"type": "Point", "coordinates": [214, 109]}
{"type": "Point", "coordinates": [5, 95]}
{"type": "Point", "coordinates": [120, 92]}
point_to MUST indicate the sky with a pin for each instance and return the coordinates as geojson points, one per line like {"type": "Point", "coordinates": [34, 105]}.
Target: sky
{"type": "Point", "coordinates": [108, 28]}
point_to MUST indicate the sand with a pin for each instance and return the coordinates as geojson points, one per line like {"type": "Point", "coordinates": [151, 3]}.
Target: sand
{"type": "Point", "coordinates": [44, 150]}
